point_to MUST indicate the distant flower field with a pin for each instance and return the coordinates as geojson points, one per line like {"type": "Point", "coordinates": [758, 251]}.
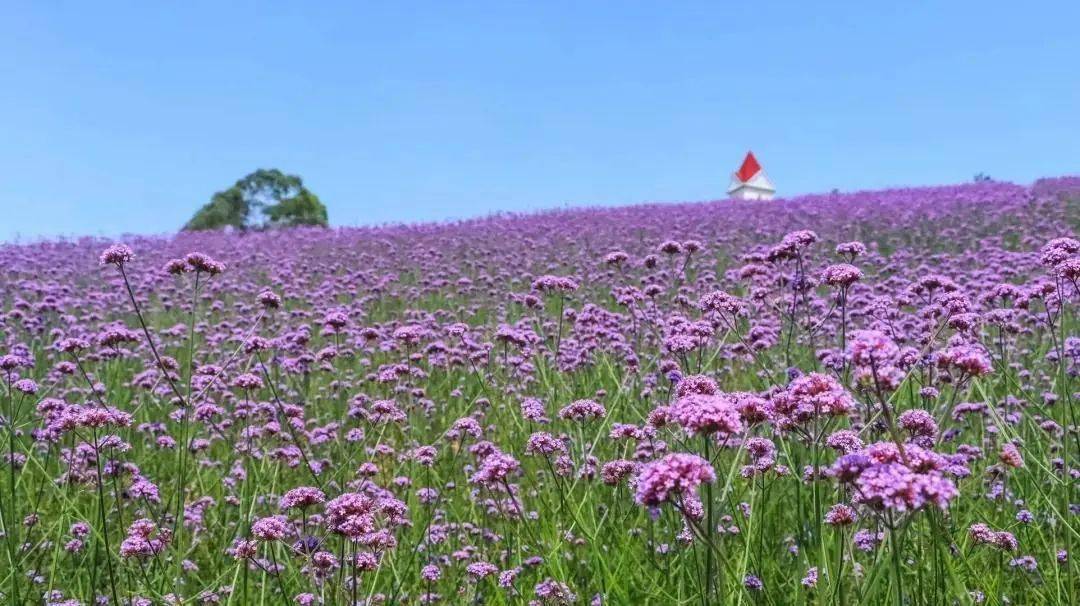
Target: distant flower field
{"type": "Point", "coordinates": [864, 398]}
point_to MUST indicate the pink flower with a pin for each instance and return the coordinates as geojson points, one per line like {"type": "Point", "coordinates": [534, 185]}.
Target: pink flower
{"type": "Point", "coordinates": [851, 249]}
{"type": "Point", "coordinates": [269, 300]}
{"type": "Point", "coordinates": [841, 274]}
{"type": "Point", "coordinates": [706, 414]}
{"type": "Point", "coordinates": [175, 267]}
{"type": "Point", "coordinates": [143, 540]}
{"type": "Point", "coordinates": [532, 409]}
{"type": "Point", "coordinates": [247, 381]}
{"type": "Point", "coordinates": [614, 472]}
{"type": "Point", "coordinates": [844, 440]}
{"type": "Point", "coordinates": [269, 529]}
{"type": "Point", "coordinates": [27, 387]}
{"type": "Point", "coordinates": [840, 515]}
{"type": "Point", "coordinates": [302, 498]}
{"type": "Point", "coordinates": [102, 417]}
{"type": "Point", "coordinates": [544, 444]}
{"type": "Point", "coordinates": [480, 570]}
{"type": "Point", "coordinates": [117, 254]}
{"type": "Point", "coordinates": [72, 345]}
{"type": "Point", "coordinates": [555, 593]}
{"type": "Point", "coordinates": [919, 422]}
{"type": "Point", "coordinates": [982, 534]}
{"type": "Point", "coordinates": [1057, 250]}
{"type": "Point", "coordinates": [696, 384]}
{"type": "Point", "coordinates": [351, 514]}
{"type": "Point", "coordinates": [583, 410]}
{"type": "Point", "coordinates": [871, 348]}
{"type": "Point", "coordinates": [1010, 455]}
{"type": "Point", "coordinates": [676, 474]}
{"type": "Point", "coordinates": [554, 284]}
{"type": "Point", "coordinates": [808, 397]}
{"type": "Point", "coordinates": [495, 468]}
{"type": "Point", "coordinates": [203, 263]}
{"type": "Point", "coordinates": [720, 301]}
{"type": "Point", "coordinates": [970, 360]}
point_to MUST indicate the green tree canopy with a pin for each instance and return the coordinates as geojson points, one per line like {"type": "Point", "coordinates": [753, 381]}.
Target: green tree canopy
{"type": "Point", "coordinates": [265, 198]}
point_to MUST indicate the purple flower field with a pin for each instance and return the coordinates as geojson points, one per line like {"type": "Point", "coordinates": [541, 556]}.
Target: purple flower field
{"type": "Point", "coordinates": [864, 398]}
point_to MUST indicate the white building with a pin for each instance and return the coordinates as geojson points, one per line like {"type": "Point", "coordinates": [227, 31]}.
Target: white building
{"type": "Point", "coordinates": [750, 181]}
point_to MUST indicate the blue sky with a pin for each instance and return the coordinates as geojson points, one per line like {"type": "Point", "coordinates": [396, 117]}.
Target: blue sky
{"type": "Point", "coordinates": [125, 117]}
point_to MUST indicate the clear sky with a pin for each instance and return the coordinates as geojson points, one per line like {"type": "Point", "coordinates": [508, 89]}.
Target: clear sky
{"type": "Point", "coordinates": [125, 117]}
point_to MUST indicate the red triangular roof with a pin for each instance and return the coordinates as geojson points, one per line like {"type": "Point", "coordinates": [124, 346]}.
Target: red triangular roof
{"type": "Point", "coordinates": [749, 168]}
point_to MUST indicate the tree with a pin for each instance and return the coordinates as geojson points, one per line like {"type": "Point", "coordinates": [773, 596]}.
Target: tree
{"type": "Point", "coordinates": [265, 198]}
{"type": "Point", "coordinates": [302, 209]}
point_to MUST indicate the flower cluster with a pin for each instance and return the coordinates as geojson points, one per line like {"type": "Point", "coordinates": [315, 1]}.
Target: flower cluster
{"type": "Point", "coordinates": [885, 477]}
{"type": "Point", "coordinates": [706, 415]}
{"type": "Point", "coordinates": [144, 540]}
{"type": "Point", "coordinates": [533, 404]}
{"type": "Point", "coordinates": [809, 397]}
{"type": "Point", "coordinates": [675, 475]}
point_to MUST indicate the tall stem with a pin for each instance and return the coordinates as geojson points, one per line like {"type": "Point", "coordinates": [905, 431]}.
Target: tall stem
{"type": "Point", "coordinates": [558, 335]}
{"type": "Point", "coordinates": [11, 524]}
{"type": "Point", "coordinates": [182, 456]}
{"type": "Point", "coordinates": [104, 518]}
{"type": "Point", "coordinates": [711, 527]}
{"type": "Point", "coordinates": [898, 574]}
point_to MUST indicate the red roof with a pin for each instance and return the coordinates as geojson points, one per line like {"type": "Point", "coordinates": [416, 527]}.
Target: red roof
{"type": "Point", "coordinates": [749, 168]}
